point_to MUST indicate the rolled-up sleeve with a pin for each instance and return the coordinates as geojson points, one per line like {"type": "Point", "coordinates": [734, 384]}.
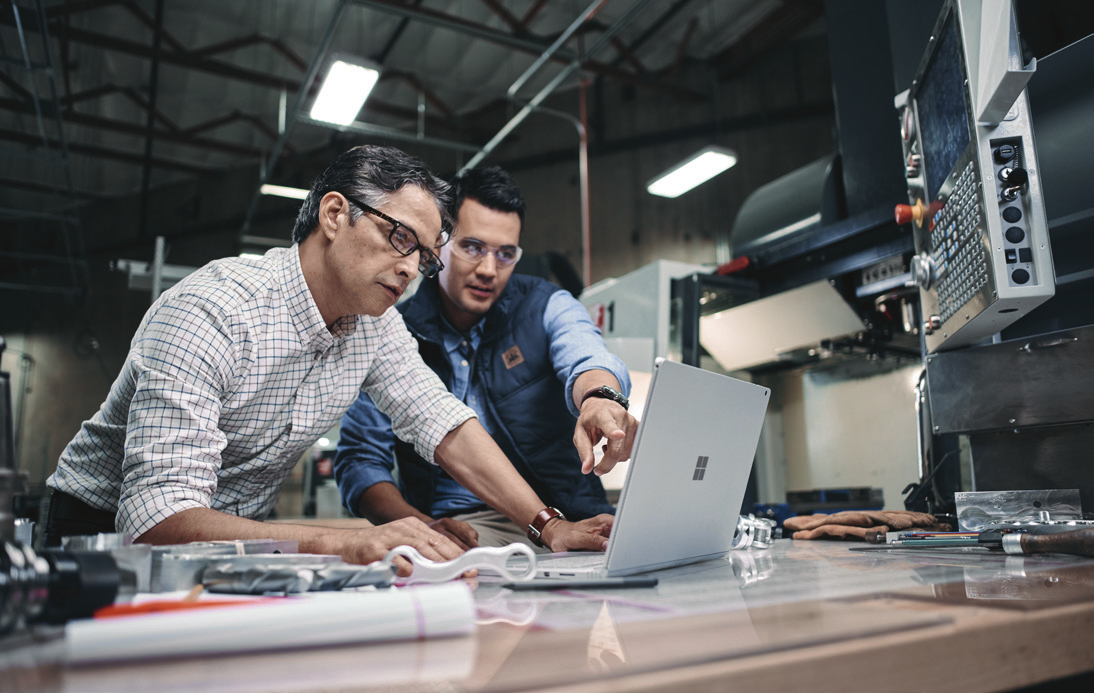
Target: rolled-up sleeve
{"type": "Point", "coordinates": [173, 446]}
{"type": "Point", "coordinates": [577, 346]}
{"type": "Point", "coordinates": [421, 409]}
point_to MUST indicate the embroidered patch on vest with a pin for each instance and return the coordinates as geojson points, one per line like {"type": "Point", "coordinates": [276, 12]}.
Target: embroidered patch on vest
{"type": "Point", "coordinates": [512, 357]}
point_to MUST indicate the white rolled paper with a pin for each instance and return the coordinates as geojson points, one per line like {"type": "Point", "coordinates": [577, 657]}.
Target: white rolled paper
{"type": "Point", "coordinates": [310, 620]}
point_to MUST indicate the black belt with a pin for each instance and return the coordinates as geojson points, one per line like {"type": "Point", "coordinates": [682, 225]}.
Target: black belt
{"type": "Point", "coordinates": [70, 515]}
{"type": "Point", "coordinates": [463, 511]}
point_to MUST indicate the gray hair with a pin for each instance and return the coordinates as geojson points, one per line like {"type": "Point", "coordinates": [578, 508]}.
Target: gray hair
{"type": "Point", "coordinates": [371, 174]}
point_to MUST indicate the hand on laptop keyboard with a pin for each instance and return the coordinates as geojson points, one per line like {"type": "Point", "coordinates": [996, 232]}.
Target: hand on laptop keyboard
{"type": "Point", "coordinates": [591, 534]}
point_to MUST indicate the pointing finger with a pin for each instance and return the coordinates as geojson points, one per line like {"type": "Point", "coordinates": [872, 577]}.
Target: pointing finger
{"type": "Point", "coordinates": [584, 449]}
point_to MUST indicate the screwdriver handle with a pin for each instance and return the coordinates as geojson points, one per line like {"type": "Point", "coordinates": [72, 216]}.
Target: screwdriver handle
{"type": "Point", "coordinates": [1079, 542]}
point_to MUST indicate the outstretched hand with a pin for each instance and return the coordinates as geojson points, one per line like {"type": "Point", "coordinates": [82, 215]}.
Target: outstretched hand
{"type": "Point", "coordinates": [603, 419]}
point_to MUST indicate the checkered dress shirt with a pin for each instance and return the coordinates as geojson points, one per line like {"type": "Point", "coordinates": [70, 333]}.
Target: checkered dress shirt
{"type": "Point", "coordinates": [230, 378]}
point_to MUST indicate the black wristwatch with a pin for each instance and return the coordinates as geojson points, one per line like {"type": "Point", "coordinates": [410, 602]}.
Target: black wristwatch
{"type": "Point", "coordinates": [605, 392]}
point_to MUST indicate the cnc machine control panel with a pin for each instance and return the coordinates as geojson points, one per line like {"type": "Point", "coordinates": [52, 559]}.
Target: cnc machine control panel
{"type": "Point", "coordinates": [983, 257]}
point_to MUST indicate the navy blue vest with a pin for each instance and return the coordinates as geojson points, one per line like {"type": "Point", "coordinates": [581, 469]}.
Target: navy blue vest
{"type": "Point", "coordinates": [524, 396]}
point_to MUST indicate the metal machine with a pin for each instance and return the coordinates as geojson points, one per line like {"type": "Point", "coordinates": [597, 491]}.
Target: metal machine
{"type": "Point", "coordinates": [633, 311]}
{"type": "Point", "coordinates": [983, 276]}
{"type": "Point", "coordinates": [984, 256]}
{"type": "Point", "coordinates": [1016, 402]}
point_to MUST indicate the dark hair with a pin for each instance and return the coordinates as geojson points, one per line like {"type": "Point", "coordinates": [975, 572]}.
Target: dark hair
{"type": "Point", "coordinates": [371, 174]}
{"type": "Point", "coordinates": [491, 186]}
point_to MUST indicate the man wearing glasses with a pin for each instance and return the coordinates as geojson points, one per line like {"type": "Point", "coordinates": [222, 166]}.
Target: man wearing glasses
{"type": "Point", "coordinates": [525, 356]}
{"type": "Point", "coordinates": [239, 368]}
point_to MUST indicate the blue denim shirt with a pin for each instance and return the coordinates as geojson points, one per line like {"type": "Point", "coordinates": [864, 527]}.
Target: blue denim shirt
{"type": "Point", "coordinates": [575, 347]}
{"type": "Point", "coordinates": [452, 498]}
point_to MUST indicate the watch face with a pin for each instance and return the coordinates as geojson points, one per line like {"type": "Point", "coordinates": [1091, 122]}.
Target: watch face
{"type": "Point", "coordinates": [608, 392]}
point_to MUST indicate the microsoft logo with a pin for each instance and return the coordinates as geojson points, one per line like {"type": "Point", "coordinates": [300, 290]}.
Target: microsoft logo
{"type": "Point", "coordinates": [700, 469]}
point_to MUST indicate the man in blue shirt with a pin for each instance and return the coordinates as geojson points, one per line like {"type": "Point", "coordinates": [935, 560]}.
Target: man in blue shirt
{"type": "Point", "coordinates": [525, 357]}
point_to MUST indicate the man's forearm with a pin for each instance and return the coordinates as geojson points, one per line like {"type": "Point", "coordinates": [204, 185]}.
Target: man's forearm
{"type": "Point", "coordinates": [355, 545]}
{"type": "Point", "coordinates": [471, 457]}
{"type": "Point", "coordinates": [205, 524]}
{"type": "Point", "coordinates": [382, 502]}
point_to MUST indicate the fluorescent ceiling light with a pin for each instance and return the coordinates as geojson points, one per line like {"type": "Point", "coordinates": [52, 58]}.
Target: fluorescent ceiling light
{"type": "Point", "coordinates": [343, 93]}
{"type": "Point", "coordinates": [696, 169]}
{"type": "Point", "coordinates": [283, 191]}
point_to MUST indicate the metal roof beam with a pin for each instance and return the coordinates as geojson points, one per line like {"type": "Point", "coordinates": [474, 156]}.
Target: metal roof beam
{"type": "Point", "coordinates": [531, 14]}
{"type": "Point", "coordinates": [178, 137]}
{"type": "Point", "coordinates": [187, 60]}
{"type": "Point", "coordinates": [533, 46]}
{"type": "Point", "coordinates": [253, 40]}
{"type": "Point", "coordinates": [654, 28]}
{"type": "Point", "coordinates": [505, 15]}
{"type": "Point", "coordinates": [395, 134]}
{"type": "Point", "coordinates": [294, 111]}
{"type": "Point", "coordinates": [776, 29]}
{"type": "Point", "coordinates": [105, 153]}
{"type": "Point", "coordinates": [527, 44]}
{"type": "Point", "coordinates": [551, 86]}
{"type": "Point", "coordinates": [45, 189]}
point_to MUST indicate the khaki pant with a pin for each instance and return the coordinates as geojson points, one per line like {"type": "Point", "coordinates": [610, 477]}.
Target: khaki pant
{"type": "Point", "coordinates": [496, 529]}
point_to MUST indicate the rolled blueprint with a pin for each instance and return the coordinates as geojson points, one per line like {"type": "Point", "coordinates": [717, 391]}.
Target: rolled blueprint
{"type": "Point", "coordinates": [311, 620]}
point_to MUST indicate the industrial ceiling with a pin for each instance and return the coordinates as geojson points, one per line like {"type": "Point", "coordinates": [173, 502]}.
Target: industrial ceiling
{"type": "Point", "coordinates": [103, 99]}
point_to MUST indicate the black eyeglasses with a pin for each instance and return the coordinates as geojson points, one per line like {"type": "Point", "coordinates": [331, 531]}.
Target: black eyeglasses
{"type": "Point", "coordinates": [405, 241]}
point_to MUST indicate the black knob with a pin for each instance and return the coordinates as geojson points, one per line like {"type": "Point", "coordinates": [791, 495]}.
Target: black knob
{"type": "Point", "coordinates": [1016, 177]}
{"type": "Point", "coordinates": [1004, 154]}
{"type": "Point", "coordinates": [1020, 276]}
{"type": "Point", "coordinates": [1012, 214]}
{"type": "Point", "coordinates": [1014, 234]}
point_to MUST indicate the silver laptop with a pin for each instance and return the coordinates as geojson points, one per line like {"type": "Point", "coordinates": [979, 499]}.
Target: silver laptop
{"type": "Point", "coordinates": [689, 467]}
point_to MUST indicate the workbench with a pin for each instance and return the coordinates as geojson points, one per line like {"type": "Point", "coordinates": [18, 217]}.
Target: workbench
{"type": "Point", "coordinates": [802, 615]}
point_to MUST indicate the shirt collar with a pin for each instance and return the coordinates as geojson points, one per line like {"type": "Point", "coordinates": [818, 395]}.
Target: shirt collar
{"type": "Point", "coordinates": [452, 338]}
{"type": "Point", "coordinates": [301, 305]}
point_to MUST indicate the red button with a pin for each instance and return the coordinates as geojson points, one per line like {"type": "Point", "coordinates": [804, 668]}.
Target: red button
{"type": "Point", "coordinates": [904, 214]}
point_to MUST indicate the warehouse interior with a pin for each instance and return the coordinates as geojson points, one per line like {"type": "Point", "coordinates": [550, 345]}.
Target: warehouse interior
{"type": "Point", "coordinates": [137, 136]}
{"type": "Point", "coordinates": [757, 81]}
{"type": "Point", "coordinates": [170, 115]}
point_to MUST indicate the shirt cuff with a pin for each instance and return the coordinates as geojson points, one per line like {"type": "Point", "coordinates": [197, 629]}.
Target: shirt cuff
{"type": "Point", "coordinates": [611, 364]}
{"type": "Point", "coordinates": [451, 415]}
{"type": "Point", "coordinates": [365, 476]}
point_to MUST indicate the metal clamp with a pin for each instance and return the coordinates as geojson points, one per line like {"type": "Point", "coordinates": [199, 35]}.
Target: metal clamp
{"type": "Point", "coordinates": [752, 531]}
{"type": "Point", "coordinates": [496, 559]}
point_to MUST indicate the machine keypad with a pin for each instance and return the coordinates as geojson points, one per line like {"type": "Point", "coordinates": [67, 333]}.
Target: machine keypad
{"type": "Point", "coordinates": [955, 244]}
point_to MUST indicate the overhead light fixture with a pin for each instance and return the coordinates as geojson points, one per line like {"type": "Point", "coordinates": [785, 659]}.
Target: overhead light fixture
{"type": "Point", "coordinates": [284, 191]}
{"type": "Point", "coordinates": [695, 170]}
{"type": "Point", "coordinates": [344, 92]}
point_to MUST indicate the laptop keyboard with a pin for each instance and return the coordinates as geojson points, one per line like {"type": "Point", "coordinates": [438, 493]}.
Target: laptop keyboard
{"type": "Point", "coordinates": [591, 560]}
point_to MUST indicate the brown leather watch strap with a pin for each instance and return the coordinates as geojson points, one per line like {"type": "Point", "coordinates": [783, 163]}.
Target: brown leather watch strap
{"type": "Point", "coordinates": [535, 530]}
